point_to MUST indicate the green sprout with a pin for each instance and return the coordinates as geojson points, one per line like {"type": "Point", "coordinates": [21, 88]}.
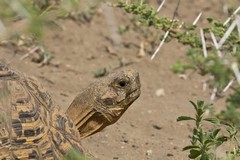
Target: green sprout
{"type": "Point", "coordinates": [205, 142]}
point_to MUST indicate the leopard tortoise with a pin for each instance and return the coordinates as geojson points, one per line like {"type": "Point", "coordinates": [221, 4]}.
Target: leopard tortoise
{"type": "Point", "coordinates": [32, 126]}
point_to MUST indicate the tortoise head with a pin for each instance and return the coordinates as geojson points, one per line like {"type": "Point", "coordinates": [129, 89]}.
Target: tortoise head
{"type": "Point", "coordinates": [104, 102]}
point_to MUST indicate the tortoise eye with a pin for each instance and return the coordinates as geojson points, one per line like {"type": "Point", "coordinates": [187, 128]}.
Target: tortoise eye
{"type": "Point", "coordinates": [122, 83]}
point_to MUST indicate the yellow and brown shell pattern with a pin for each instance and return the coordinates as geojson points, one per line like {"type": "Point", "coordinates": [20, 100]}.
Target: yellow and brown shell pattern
{"type": "Point", "coordinates": [31, 126]}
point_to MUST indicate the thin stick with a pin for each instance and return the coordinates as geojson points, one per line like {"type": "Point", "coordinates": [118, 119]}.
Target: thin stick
{"type": "Point", "coordinates": [204, 86]}
{"type": "Point", "coordinates": [236, 71]}
{"type": "Point", "coordinates": [227, 33]}
{"type": "Point", "coordinates": [30, 52]}
{"type": "Point", "coordinates": [228, 85]}
{"type": "Point", "coordinates": [234, 13]}
{"type": "Point", "coordinates": [48, 8]}
{"type": "Point", "coordinates": [160, 45]}
{"type": "Point", "coordinates": [213, 95]}
{"type": "Point", "coordinates": [180, 26]}
{"type": "Point", "coordinates": [160, 7]}
{"type": "Point", "coordinates": [203, 43]}
{"type": "Point", "coordinates": [219, 53]}
{"type": "Point", "coordinates": [166, 34]}
{"type": "Point", "coordinates": [198, 17]}
{"type": "Point", "coordinates": [238, 25]}
{"type": "Point", "coordinates": [234, 49]}
{"type": "Point", "coordinates": [225, 8]}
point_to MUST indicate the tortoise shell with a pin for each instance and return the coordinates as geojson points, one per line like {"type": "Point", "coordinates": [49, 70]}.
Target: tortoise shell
{"type": "Point", "coordinates": [31, 125]}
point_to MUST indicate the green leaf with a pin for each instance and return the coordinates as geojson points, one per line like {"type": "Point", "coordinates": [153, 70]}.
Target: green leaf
{"type": "Point", "coordinates": [200, 112]}
{"type": "Point", "coordinates": [181, 67]}
{"type": "Point", "coordinates": [208, 141]}
{"type": "Point", "coordinates": [194, 154]}
{"type": "Point", "coordinates": [207, 106]}
{"type": "Point", "coordinates": [190, 147]}
{"type": "Point", "coordinates": [222, 139]}
{"type": "Point", "coordinates": [228, 125]}
{"type": "Point", "coordinates": [215, 132]}
{"type": "Point", "coordinates": [212, 120]}
{"type": "Point", "coordinates": [232, 130]}
{"type": "Point", "coordinates": [210, 20]}
{"type": "Point", "coordinates": [194, 105]}
{"type": "Point", "coordinates": [196, 137]}
{"type": "Point", "coordinates": [200, 103]}
{"type": "Point", "coordinates": [184, 118]}
{"type": "Point", "coordinates": [206, 157]}
{"type": "Point", "coordinates": [74, 154]}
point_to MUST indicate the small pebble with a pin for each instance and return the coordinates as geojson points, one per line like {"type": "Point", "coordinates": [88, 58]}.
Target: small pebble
{"type": "Point", "coordinates": [149, 152]}
{"type": "Point", "coordinates": [141, 51]}
{"type": "Point", "coordinates": [125, 141]}
{"type": "Point", "coordinates": [169, 154]}
{"type": "Point", "coordinates": [64, 94]}
{"type": "Point", "coordinates": [134, 146]}
{"type": "Point", "coordinates": [100, 72]}
{"type": "Point", "coordinates": [156, 126]}
{"type": "Point", "coordinates": [90, 57]}
{"type": "Point", "coordinates": [182, 76]}
{"type": "Point", "coordinates": [160, 92]}
{"type": "Point", "coordinates": [175, 147]}
{"type": "Point", "coordinates": [132, 125]}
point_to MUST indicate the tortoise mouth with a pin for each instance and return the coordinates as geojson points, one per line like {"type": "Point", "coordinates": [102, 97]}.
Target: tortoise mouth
{"type": "Point", "coordinates": [135, 93]}
{"type": "Point", "coordinates": [131, 97]}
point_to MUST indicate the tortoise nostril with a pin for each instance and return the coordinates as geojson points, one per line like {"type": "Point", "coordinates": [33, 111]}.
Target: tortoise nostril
{"type": "Point", "coordinates": [108, 101]}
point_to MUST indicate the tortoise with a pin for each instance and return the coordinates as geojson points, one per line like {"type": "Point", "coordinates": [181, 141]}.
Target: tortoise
{"type": "Point", "coordinates": [32, 126]}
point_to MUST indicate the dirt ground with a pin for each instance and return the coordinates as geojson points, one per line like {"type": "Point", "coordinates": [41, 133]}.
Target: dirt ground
{"type": "Point", "coordinates": [148, 129]}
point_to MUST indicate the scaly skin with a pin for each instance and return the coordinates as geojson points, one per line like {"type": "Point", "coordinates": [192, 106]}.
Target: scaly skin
{"type": "Point", "coordinates": [110, 98]}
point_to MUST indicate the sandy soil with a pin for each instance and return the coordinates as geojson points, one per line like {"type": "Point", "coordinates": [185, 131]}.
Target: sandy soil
{"type": "Point", "coordinates": [148, 129]}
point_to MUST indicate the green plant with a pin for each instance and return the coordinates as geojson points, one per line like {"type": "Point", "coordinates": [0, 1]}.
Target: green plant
{"type": "Point", "coordinates": [214, 53]}
{"type": "Point", "coordinates": [85, 14]}
{"type": "Point", "coordinates": [204, 143]}
{"type": "Point", "coordinates": [147, 16]}
{"type": "Point", "coordinates": [122, 29]}
{"type": "Point", "coordinates": [36, 15]}
{"type": "Point", "coordinates": [73, 154]}
{"type": "Point", "coordinates": [232, 114]}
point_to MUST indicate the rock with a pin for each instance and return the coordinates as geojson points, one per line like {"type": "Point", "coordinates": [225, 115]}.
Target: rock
{"type": "Point", "coordinates": [175, 147]}
{"type": "Point", "coordinates": [141, 51]}
{"type": "Point", "coordinates": [156, 126]}
{"type": "Point", "coordinates": [169, 154]}
{"type": "Point", "coordinates": [182, 76]}
{"type": "Point", "coordinates": [149, 152]}
{"type": "Point", "coordinates": [160, 92]}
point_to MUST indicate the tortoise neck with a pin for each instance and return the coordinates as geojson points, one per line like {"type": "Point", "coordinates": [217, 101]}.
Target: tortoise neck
{"type": "Point", "coordinates": [86, 119]}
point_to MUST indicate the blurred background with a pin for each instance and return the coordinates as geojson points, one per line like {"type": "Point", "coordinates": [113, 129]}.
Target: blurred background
{"type": "Point", "coordinates": [68, 44]}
